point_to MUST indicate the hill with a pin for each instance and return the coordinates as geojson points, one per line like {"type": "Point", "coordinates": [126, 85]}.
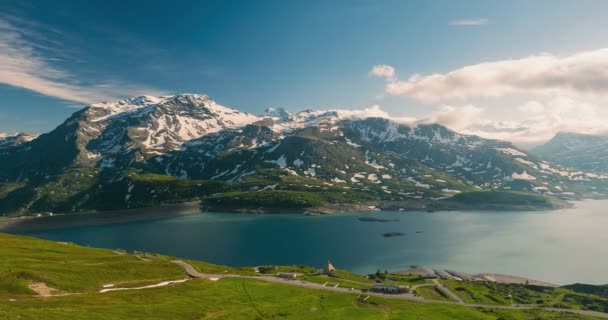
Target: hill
{"type": "Point", "coordinates": [601, 291]}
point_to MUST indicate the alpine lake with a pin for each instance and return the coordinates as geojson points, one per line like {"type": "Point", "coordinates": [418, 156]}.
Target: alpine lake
{"type": "Point", "coordinates": [560, 246]}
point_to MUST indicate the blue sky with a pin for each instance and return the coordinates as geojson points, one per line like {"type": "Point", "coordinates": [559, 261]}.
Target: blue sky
{"type": "Point", "coordinates": [294, 54]}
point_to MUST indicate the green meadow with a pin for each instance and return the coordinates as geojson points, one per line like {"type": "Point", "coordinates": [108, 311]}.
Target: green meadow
{"type": "Point", "coordinates": [74, 275]}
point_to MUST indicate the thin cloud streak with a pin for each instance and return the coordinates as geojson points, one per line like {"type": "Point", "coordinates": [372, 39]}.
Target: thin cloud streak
{"type": "Point", "coordinates": [469, 22]}
{"type": "Point", "coordinates": [25, 63]}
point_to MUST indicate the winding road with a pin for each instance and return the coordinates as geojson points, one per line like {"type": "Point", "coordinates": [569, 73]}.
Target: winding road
{"type": "Point", "coordinates": [192, 272]}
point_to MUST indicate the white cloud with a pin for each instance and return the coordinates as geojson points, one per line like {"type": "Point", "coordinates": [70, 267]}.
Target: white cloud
{"type": "Point", "coordinates": [584, 74]}
{"type": "Point", "coordinates": [383, 71]}
{"type": "Point", "coordinates": [469, 22]}
{"type": "Point", "coordinates": [23, 65]}
{"type": "Point", "coordinates": [525, 100]}
{"type": "Point", "coordinates": [542, 121]}
{"type": "Point", "coordinates": [374, 111]}
{"type": "Point", "coordinates": [456, 117]}
{"type": "Point", "coordinates": [532, 107]}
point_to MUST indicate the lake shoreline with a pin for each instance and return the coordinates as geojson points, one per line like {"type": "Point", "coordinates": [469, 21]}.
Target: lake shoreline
{"type": "Point", "coordinates": [385, 205]}
{"type": "Point", "coordinates": [59, 221]}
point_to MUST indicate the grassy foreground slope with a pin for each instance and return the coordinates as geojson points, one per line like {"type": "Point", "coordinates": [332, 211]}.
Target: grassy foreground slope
{"type": "Point", "coordinates": [73, 276]}
{"type": "Point", "coordinates": [244, 299]}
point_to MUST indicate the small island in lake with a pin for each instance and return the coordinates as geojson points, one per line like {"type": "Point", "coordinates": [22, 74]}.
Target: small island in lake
{"type": "Point", "coordinates": [371, 219]}
{"type": "Point", "coordinates": [393, 234]}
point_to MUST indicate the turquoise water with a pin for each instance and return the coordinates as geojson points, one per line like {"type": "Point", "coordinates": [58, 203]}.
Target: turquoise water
{"type": "Point", "coordinates": [562, 246]}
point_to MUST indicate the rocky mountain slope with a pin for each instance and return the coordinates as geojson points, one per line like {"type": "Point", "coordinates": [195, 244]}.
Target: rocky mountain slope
{"type": "Point", "coordinates": [155, 150]}
{"type": "Point", "coordinates": [585, 152]}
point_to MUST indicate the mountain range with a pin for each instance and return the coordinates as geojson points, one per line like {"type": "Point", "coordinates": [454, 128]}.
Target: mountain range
{"type": "Point", "coordinates": [582, 151]}
{"type": "Point", "coordinates": [149, 151]}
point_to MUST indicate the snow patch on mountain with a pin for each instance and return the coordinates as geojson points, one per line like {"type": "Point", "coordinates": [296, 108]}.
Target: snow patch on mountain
{"type": "Point", "coordinates": [526, 162]}
{"type": "Point", "coordinates": [512, 152]}
{"type": "Point", "coordinates": [281, 161]}
{"type": "Point", "coordinates": [522, 176]}
{"type": "Point", "coordinates": [9, 140]}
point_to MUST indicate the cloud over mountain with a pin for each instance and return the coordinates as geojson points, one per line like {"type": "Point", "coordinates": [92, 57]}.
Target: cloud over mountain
{"type": "Point", "coordinates": [526, 100]}
{"type": "Point", "coordinates": [583, 73]}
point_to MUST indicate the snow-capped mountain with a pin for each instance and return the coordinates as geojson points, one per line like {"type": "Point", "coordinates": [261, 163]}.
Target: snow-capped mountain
{"type": "Point", "coordinates": [151, 150]}
{"type": "Point", "coordinates": [582, 151]}
{"type": "Point", "coordinates": [13, 140]}
{"type": "Point", "coordinates": [157, 125]}
{"type": "Point", "coordinates": [130, 129]}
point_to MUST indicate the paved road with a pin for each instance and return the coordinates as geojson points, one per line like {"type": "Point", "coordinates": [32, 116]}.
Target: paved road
{"type": "Point", "coordinates": [439, 286]}
{"type": "Point", "coordinates": [447, 291]}
{"type": "Point", "coordinates": [192, 272]}
{"type": "Point", "coordinates": [414, 287]}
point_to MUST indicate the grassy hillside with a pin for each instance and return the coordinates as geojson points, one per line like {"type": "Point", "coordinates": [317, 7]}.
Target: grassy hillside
{"type": "Point", "coordinates": [504, 294]}
{"type": "Point", "coordinates": [75, 275]}
{"type": "Point", "coordinates": [243, 299]}
{"type": "Point", "coordinates": [505, 199]}
{"type": "Point", "coordinates": [500, 197]}
{"type": "Point", "coordinates": [80, 190]}
{"type": "Point", "coordinates": [71, 268]}
{"type": "Point", "coordinates": [601, 291]}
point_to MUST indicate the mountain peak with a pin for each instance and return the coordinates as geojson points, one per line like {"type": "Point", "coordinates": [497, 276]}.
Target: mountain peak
{"type": "Point", "coordinates": [579, 150]}
{"type": "Point", "coordinates": [280, 113]}
{"type": "Point", "coordinates": [105, 110]}
{"type": "Point", "coordinates": [190, 97]}
{"type": "Point", "coordinates": [9, 140]}
{"type": "Point", "coordinates": [571, 134]}
{"type": "Point", "coordinates": [573, 139]}
{"type": "Point", "coordinates": [157, 124]}
{"type": "Point", "coordinates": [144, 100]}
